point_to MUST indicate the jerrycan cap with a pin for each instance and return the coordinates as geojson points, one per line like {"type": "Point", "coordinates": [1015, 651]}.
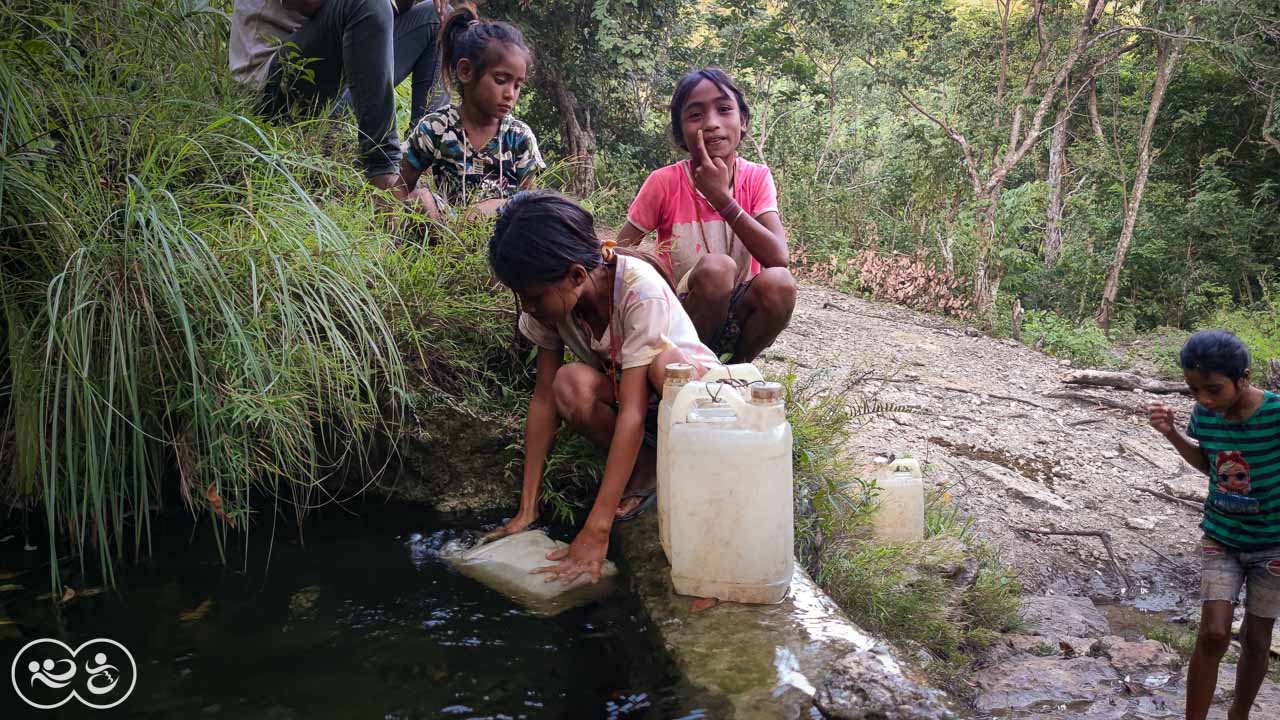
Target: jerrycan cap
{"type": "Point", "coordinates": [679, 371]}
{"type": "Point", "coordinates": [764, 393]}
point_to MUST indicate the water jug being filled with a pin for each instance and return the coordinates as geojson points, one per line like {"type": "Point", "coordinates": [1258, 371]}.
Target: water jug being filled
{"type": "Point", "coordinates": [729, 495]}
{"type": "Point", "coordinates": [677, 376]}
{"type": "Point", "coordinates": [900, 515]}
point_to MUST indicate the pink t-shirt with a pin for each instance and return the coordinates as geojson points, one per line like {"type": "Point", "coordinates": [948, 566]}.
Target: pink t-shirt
{"type": "Point", "coordinates": [689, 227]}
{"type": "Point", "coordinates": [646, 315]}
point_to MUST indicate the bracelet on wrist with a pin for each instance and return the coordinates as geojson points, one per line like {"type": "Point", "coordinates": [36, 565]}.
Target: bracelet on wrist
{"type": "Point", "coordinates": [731, 211]}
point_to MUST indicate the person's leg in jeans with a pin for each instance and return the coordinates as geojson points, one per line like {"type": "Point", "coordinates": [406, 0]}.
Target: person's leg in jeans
{"type": "Point", "coordinates": [351, 40]}
{"type": "Point", "coordinates": [414, 50]}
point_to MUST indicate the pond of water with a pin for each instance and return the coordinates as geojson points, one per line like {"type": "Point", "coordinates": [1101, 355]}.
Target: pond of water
{"type": "Point", "coordinates": [360, 621]}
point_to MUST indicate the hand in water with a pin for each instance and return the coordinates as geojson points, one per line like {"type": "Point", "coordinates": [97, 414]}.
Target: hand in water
{"type": "Point", "coordinates": [519, 523]}
{"type": "Point", "coordinates": [584, 556]}
{"type": "Point", "coordinates": [1161, 418]}
{"type": "Point", "coordinates": [710, 175]}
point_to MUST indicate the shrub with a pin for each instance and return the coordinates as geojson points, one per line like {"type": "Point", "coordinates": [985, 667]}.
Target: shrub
{"type": "Point", "coordinates": [1083, 343]}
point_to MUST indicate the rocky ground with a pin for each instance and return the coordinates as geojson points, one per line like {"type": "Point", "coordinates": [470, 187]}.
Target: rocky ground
{"type": "Point", "coordinates": [1020, 461]}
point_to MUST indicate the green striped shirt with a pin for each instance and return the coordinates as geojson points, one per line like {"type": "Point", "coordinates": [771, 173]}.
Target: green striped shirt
{"type": "Point", "coordinates": [1243, 507]}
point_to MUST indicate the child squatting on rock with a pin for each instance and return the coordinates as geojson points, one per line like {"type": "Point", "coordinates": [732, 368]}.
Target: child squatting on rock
{"type": "Point", "coordinates": [716, 216]}
{"type": "Point", "coordinates": [617, 311]}
{"type": "Point", "coordinates": [1234, 438]}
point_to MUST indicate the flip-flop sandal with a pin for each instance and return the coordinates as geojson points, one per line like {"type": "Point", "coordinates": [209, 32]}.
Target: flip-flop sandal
{"type": "Point", "coordinates": [650, 499]}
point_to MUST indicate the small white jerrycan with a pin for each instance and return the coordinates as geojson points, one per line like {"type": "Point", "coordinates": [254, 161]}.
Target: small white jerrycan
{"type": "Point", "coordinates": [900, 517]}
{"type": "Point", "coordinates": [730, 504]}
{"type": "Point", "coordinates": [677, 377]}
{"type": "Point", "coordinates": [507, 565]}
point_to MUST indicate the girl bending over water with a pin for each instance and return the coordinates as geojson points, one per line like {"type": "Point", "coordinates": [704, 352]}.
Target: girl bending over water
{"type": "Point", "coordinates": [617, 311]}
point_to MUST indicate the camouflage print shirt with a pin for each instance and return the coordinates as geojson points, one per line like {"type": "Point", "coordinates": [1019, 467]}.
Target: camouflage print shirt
{"type": "Point", "coordinates": [496, 170]}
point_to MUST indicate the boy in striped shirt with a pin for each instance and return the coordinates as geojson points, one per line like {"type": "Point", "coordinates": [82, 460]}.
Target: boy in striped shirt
{"type": "Point", "coordinates": [1234, 438]}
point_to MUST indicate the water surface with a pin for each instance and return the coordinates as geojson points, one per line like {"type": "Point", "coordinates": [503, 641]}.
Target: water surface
{"type": "Point", "coordinates": [360, 621]}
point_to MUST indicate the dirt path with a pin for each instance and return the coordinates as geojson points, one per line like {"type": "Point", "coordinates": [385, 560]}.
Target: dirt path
{"type": "Point", "coordinates": [1022, 460]}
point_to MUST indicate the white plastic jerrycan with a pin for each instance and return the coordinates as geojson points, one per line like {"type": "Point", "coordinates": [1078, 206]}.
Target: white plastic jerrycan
{"type": "Point", "coordinates": [900, 517]}
{"type": "Point", "coordinates": [730, 508]}
{"type": "Point", "coordinates": [677, 377]}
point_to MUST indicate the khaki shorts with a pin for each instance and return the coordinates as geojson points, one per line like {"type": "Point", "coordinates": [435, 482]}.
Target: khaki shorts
{"type": "Point", "coordinates": [1224, 571]}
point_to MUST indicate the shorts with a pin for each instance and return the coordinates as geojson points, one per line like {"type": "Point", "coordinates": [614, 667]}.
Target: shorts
{"type": "Point", "coordinates": [1224, 571]}
{"type": "Point", "coordinates": [724, 341]}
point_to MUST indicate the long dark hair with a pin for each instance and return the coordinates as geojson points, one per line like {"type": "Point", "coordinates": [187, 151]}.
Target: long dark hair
{"type": "Point", "coordinates": [540, 235]}
{"type": "Point", "coordinates": [685, 86]}
{"type": "Point", "coordinates": [1215, 351]}
{"type": "Point", "coordinates": [465, 36]}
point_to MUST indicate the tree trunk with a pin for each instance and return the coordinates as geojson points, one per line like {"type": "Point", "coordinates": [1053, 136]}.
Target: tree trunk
{"type": "Point", "coordinates": [986, 272]}
{"type": "Point", "coordinates": [577, 134]}
{"type": "Point", "coordinates": [1166, 61]}
{"type": "Point", "coordinates": [1053, 234]}
{"type": "Point", "coordinates": [1266, 123]}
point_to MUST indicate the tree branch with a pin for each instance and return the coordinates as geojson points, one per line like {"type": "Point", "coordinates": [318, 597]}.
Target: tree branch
{"type": "Point", "coordinates": [969, 165]}
{"type": "Point", "coordinates": [1143, 29]}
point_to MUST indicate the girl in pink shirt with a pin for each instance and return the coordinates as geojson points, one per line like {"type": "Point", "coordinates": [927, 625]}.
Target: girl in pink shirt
{"type": "Point", "coordinates": [716, 217]}
{"type": "Point", "coordinates": [621, 318]}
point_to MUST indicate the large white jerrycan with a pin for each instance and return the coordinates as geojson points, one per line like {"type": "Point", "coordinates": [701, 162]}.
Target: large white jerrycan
{"type": "Point", "coordinates": [900, 516]}
{"type": "Point", "coordinates": [678, 376]}
{"type": "Point", "coordinates": [730, 504]}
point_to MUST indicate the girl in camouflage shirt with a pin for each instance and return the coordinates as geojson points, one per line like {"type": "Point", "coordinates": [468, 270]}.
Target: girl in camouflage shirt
{"type": "Point", "coordinates": [477, 152]}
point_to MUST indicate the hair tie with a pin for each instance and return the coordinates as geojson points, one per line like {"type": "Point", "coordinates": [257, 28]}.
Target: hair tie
{"type": "Point", "coordinates": [607, 250]}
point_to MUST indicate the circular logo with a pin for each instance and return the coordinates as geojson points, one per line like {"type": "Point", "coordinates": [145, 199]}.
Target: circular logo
{"type": "Point", "coordinates": [46, 673]}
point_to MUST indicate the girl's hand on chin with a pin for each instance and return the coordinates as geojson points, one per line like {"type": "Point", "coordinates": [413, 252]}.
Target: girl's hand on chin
{"type": "Point", "coordinates": [710, 175]}
{"type": "Point", "coordinates": [584, 556]}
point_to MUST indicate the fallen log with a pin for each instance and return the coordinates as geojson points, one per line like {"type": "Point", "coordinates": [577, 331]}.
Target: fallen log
{"type": "Point", "coordinates": [1096, 400]}
{"type": "Point", "coordinates": [1125, 381]}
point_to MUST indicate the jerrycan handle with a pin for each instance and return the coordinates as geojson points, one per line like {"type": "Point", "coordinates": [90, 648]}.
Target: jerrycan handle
{"type": "Point", "coordinates": [685, 400]}
{"type": "Point", "coordinates": [743, 371]}
{"type": "Point", "coordinates": [693, 392]}
{"type": "Point", "coordinates": [907, 465]}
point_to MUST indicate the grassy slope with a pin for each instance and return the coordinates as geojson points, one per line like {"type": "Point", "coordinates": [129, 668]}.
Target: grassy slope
{"type": "Point", "coordinates": [187, 286]}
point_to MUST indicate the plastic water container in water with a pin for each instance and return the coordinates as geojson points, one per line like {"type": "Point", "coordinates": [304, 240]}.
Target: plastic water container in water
{"type": "Point", "coordinates": [900, 516]}
{"type": "Point", "coordinates": [677, 376]}
{"type": "Point", "coordinates": [731, 530]}
{"type": "Point", "coordinates": [507, 565]}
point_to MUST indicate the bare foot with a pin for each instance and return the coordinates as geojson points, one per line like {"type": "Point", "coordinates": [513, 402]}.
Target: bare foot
{"type": "Point", "coordinates": [645, 475]}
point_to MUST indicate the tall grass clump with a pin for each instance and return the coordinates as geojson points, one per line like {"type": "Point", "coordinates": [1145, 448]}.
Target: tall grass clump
{"type": "Point", "coordinates": [187, 296]}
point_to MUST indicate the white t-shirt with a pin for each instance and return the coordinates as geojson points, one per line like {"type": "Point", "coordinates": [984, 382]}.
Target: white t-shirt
{"type": "Point", "coordinates": [646, 315]}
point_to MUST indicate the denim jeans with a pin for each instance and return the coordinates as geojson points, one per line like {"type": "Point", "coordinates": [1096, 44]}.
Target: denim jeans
{"type": "Point", "coordinates": [363, 45]}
